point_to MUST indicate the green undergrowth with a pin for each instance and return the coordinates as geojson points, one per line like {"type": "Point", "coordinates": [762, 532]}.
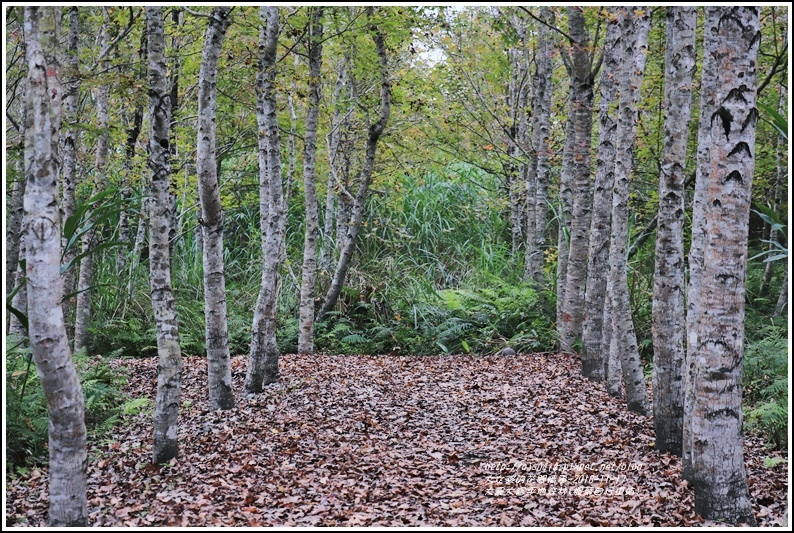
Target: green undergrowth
{"type": "Point", "coordinates": [26, 405]}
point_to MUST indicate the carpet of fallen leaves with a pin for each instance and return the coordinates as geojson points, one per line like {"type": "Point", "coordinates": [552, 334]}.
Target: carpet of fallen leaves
{"type": "Point", "coordinates": [395, 441]}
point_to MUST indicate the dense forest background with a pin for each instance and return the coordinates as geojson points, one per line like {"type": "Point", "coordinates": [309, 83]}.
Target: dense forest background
{"type": "Point", "coordinates": [412, 143]}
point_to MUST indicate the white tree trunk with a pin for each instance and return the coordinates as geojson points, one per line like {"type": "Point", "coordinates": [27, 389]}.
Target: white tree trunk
{"type": "Point", "coordinates": [161, 231]}
{"type": "Point", "coordinates": [668, 324]}
{"type": "Point", "coordinates": [309, 269]}
{"type": "Point", "coordinates": [86, 277]}
{"type": "Point", "coordinates": [563, 222]}
{"type": "Point", "coordinates": [537, 194]}
{"type": "Point", "coordinates": [219, 374]}
{"type": "Point", "coordinates": [720, 479]}
{"type": "Point", "coordinates": [68, 172]}
{"type": "Point", "coordinates": [365, 177]}
{"type": "Point", "coordinates": [594, 358]}
{"type": "Point", "coordinates": [59, 379]}
{"type": "Point", "coordinates": [582, 76]}
{"type": "Point", "coordinates": [708, 94]}
{"type": "Point", "coordinates": [263, 365]}
{"type": "Point", "coordinates": [634, 42]}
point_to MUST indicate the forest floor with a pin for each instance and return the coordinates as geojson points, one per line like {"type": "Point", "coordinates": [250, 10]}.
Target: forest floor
{"type": "Point", "coordinates": [395, 441]}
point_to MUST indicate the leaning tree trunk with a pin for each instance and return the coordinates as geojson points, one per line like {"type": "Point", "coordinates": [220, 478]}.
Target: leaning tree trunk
{"type": "Point", "coordinates": [86, 277]}
{"type": "Point", "coordinates": [541, 146]}
{"type": "Point", "coordinates": [219, 374]}
{"type": "Point", "coordinates": [594, 359]}
{"type": "Point", "coordinates": [59, 379]}
{"type": "Point", "coordinates": [161, 231]}
{"type": "Point", "coordinates": [374, 133]}
{"type": "Point", "coordinates": [309, 269]}
{"type": "Point", "coordinates": [636, 24]}
{"type": "Point", "coordinates": [708, 94]}
{"type": "Point", "coordinates": [263, 365]}
{"type": "Point", "coordinates": [668, 324]}
{"type": "Point", "coordinates": [582, 76]}
{"type": "Point", "coordinates": [720, 479]}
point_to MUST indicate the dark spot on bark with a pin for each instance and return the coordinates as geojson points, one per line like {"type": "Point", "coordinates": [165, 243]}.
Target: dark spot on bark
{"type": "Point", "coordinates": [164, 143]}
{"type": "Point", "coordinates": [727, 119]}
{"type": "Point", "coordinates": [739, 147]}
{"type": "Point", "coordinates": [738, 94]}
{"type": "Point", "coordinates": [735, 176]}
{"type": "Point", "coordinates": [752, 118]}
{"type": "Point", "coordinates": [716, 203]}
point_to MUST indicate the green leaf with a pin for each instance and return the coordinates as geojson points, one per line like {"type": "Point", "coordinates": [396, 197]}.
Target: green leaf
{"type": "Point", "coordinates": [778, 121]}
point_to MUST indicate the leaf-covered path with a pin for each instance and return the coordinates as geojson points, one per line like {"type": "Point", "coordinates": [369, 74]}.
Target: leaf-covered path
{"type": "Point", "coordinates": [393, 441]}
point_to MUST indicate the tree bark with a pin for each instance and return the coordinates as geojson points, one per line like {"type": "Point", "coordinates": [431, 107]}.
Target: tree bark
{"type": "Point", "coordinates": [69, 153]}
{"type": "Point", "coordinates": [668, 323]}
{"type": "Point", "coordinates": [636, 24]}
{"type": "Point", "coordinates": [594, 358]}
{"type": "Point", "coordinates": [86, 277]}
{"type": "Point", "coordinates": [708, 95]}
{"type": "Point", "coordinates": [309, 269]}
{"type": "Point", "coordinates": [582, 74]}
{"type": "Point", "coordinates": [563, 222]}
{"type": "Point", "coordinates": [720, 479]}
{"type": "Point", "coordinates": [365, 177]}
{"type": "Point", "coordinates": [263, 365]}
{"type": "Point", "coordinates": [332, 142]}
{"type": "Point", "coordinates": [219, 374]}
{"type": "Point", "coordinates": [541, 149]}
{"type": "Point", "coordinates": [161, 232]}
{"type": "Point", "coordinates": [59, 379]}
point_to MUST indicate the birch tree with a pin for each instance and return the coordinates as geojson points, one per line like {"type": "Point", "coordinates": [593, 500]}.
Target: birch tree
{"type": "Point", "coordinates": [537, 194]}
{"type": "Point", "coordinates": [69, 170]}
{"type": "Point", "coordinates": [309, 269]}
{"type": "Point", "coordinates": [263, 364]}
{"type": "Point", "coordinates": [593, 356]}
{"type": "Point", "coordinates": [708, 94]}
{"type": "Point", "coordinates": [219, 371]}
{"type": "Point", "coordinates": [582, 69]}
{"type": "Point", "coordinates": [86, 276]}
{"type": "Point", "coordinates": [374, 132]}
{"type": "Point", "coordinates": [623, 340]}
{"type": "Point", "coordinates": [161, 231]}
{"type": "Point", "coordinates": [719, 475]}
{"type": "Point", "coordinates": [668, 323]}
{"type": "Point", "coordinates": [59, 379]}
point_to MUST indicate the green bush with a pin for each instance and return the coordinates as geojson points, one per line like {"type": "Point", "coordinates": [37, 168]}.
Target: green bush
{"type": "Point", "coordinates": [26, 405]}
{"type": "Point", "coordinates": [766, 384]}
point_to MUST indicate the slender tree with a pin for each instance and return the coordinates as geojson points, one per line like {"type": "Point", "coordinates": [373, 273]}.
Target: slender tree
{"type": "Point", "coordinates": [541, 150]}
{"type": "Point", "coordinates": [86, 277]}
{"type": "Point", "coordinates": [582, 69]}
{"type": "Point", "coordinates": [263, 365]}
{"type": "Point", "coordinates": [221, 395]}
{"type": "Point", "coordinates": [668, 325]}
{"type": "Point", "coordinates": [161, 231]}
{"type": "Point", "coordinates": [720, 478]}
{"type": "Point", "coordinates": [374, 131]}
{"type": "Point", "coordinates": [69, 152]}
{"type": "Point", "coordinates": [623, 340]}
{"type": "Point", "coordinates": [59, 379]}
{"type": "Point", "coordinates": [708, 95]}
{"type": "Point", "coordinates": [309, 270]}
{"type": "Point", "coordinates": [593, 356]}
